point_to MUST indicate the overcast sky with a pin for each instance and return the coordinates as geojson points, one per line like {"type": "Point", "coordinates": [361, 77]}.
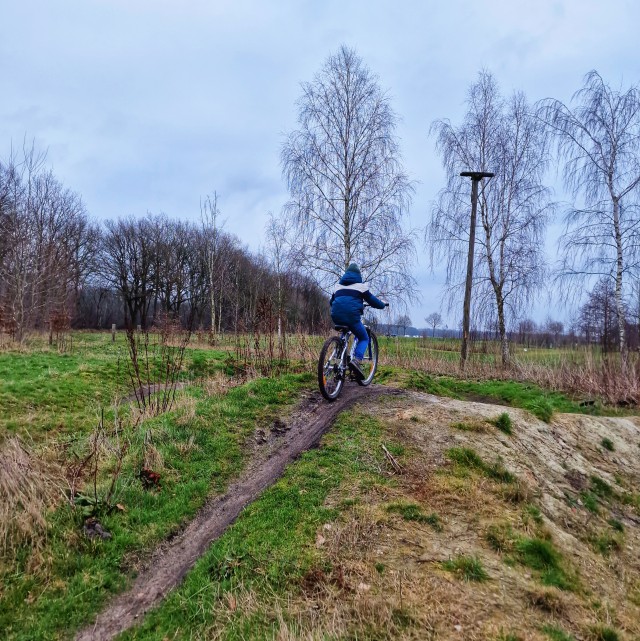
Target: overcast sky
{"type": "Point", "coordinates": [147, 105]}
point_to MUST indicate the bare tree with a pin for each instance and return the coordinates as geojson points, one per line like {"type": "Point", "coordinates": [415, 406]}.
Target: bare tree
{"type": "Point", "coordinates": [403, 321]}
{"type": "Point", "coordinates": [599, 140]}
{"type": "Point", "coordinates": [502, 136]}
{"type": "Point", "coordinates": [212, 229]}
{"type": "Point", "coordinates": [554, 328]}
{"type": "Point", "coordinates": [348, 189]}
{"type": "Point", "coordinates": [526, 330]}
{"type": "Point", "coordinates": [47, 246]}
{"type": "Point", "coordinates": [598, 317]}
{"type": "Point", "coordinates": [434, 320]}
{"type": "Point", "coordinates": [279, 259]}
{"type": "Point", "coordinates": [129, 251]}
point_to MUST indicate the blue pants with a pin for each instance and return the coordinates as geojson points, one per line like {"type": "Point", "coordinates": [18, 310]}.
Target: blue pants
{"type": "Point", "coordinates": [360, 332]}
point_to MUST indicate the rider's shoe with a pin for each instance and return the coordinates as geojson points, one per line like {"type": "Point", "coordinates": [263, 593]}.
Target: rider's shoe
{"type": "Point", "coordinates": [354, 365]}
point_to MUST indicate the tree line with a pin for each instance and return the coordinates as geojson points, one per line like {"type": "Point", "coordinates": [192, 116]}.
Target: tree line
{"type": "Point", "coordinates": [60, 269]}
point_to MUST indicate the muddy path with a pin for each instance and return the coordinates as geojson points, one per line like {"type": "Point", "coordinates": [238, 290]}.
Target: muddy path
{"type": "Point", "coordinates": [173, 559]}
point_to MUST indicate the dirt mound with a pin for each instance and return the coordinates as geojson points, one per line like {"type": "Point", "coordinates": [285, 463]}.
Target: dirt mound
{"type": "Point", "coordinates": [567, 490]}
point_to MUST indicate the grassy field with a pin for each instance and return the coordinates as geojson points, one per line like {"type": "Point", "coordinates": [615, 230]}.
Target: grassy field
{"type": "Point", "coordinates": [74, 446]}
{"type": "Point", "coordinates": [52, 402]}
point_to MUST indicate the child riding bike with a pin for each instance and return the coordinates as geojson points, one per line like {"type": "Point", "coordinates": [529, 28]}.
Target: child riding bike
{"type": "Point", "coordinates": [347, 307]}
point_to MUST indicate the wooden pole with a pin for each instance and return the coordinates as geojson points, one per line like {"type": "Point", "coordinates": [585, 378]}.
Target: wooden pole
{"type": "Point", "coordinates": [476, 177]}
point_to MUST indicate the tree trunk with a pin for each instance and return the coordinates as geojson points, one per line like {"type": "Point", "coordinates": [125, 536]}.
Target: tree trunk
{"type": "Point", "coordinates": [504, 342]}
{"type": "Point", "coordinates": [618, 292]}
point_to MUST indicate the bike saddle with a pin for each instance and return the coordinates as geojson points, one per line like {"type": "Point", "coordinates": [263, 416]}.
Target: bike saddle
{"type": "Point", "coordinates": [341, 328]}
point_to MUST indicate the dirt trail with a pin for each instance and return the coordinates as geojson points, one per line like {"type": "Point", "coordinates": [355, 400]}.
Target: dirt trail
{"type": "Point", "coordinates": [174, 559]}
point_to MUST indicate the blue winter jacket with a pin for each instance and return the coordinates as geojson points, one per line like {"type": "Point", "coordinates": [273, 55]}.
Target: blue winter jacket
{"type": "Point", "coordinates": [348, 297]}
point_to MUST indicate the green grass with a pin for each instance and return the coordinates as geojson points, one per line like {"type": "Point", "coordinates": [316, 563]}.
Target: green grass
{"type": "Point", "coordinates": [605, 543]}
{"type": "Point", "coordinates": [601, 488]}
{"type": "Point", "coordinates": [616, 525]}
{"type": "Point", "coordinates": [590, 502]}
{"type": "Point", "coordinates": [556, 634]}
{"type": "Point", "coordinates": [533, 512]}
{"type": "Point", "coordinates": [413, 512]}
{"type": "Point", "coordinates": [466, 458]}
{"type": "Point", "coordinates": [500, 537]}
{"type": "Point", "coordinates": [604, 633]}
{"type": "Point", "coordinates": [541, 555]}
{"type": "Point", "coordinates": [503, 423]}
{"type": "Point", "coordinates": [607, 443]}
{"type": "Point", "coordinates": [540, 402]}
{"type": "Point", "coordinates": [535, 553]}
{"type": "Point", "coordinates": [467, 568]}
{"type": "Point", "coordinates": [469, 426]}
{"type": "Point", "coordinates": [200, 455]}
{"type": "Point", "coordinates": [46, 393]}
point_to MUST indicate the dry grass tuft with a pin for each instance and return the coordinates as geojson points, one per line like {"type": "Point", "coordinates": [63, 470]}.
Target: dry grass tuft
{"type": "Point", "coordinates": [29, 487]}
{"type": "Point", "coordinates": [582, 372]}
{"type": "Point", "coordinates": [217, 385]}
{"type": "Point", "coordinates": [184, 407]}
{"type": "Point", "coordinates": [546, 599]}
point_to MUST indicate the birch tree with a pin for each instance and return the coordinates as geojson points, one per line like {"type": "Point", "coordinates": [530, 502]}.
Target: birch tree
{"type": "Point", "coordinates": [349, 192]}
{"type": "Point", "coordinates": [498, 135]}
{"type": "Point", "coordinates": [212, 228]}
{"type": "Point", "coordinates": [279, 260]}
{"type": "Point", "coordinates": [598, 139]}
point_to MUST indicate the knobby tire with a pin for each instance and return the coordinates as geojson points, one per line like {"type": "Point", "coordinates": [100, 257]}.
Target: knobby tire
{"type": "Point", "coordinates": [332, 344]}
{"type": "Point", "coordinates": [372, 354]}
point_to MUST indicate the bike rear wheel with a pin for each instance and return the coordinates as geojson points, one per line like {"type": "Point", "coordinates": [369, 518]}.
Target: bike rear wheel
{"type": "Point", "coordinates": [330, 372]}
{"type": "Point", "coordinates": [369, 363]}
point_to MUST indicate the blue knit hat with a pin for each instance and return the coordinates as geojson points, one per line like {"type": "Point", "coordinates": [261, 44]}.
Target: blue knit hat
{"type": "Point", "coordinates": [354, 268]}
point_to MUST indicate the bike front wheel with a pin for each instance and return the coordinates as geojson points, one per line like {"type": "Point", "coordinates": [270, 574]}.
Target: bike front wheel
{"type": "Point", "coordinates": [369, 363]}
{"type": "Point", "coordinates": [330, 372]}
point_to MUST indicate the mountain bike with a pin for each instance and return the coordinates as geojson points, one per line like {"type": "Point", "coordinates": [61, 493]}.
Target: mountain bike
{"type": "Point", "coordinates": [335, 357]}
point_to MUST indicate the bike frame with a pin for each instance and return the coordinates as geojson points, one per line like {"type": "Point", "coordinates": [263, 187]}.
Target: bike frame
{"type": "Point", "coordinates": [344, 340]}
